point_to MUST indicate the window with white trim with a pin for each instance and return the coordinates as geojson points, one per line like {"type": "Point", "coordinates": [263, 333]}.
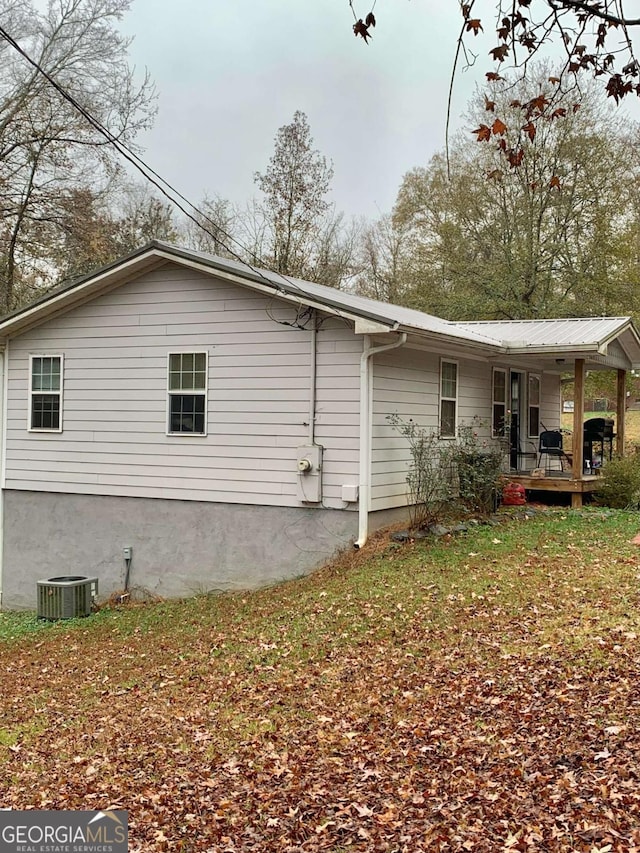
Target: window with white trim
{"type": "Point", "coordinates": [499, 406]}
{"type": "Point", "coordinates": [534, 405]}
{"type": "Point", "coordinates": [45, 393]}
{"type": "Point", "coordinates": [187, 389]}
{"type": "Point", "coordinates": [448, 398]}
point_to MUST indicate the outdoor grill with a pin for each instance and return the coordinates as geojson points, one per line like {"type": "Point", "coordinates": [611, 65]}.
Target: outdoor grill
{"type": "Point", "coordinates": [598, 438]}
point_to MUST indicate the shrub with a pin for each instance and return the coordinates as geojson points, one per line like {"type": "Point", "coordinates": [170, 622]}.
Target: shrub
{"type": "Point", "coordinates": [468, 468]}
{"type": "Point", "coordinates": [478, 466]}
{"type": "Point", "coordinates": [620, 487]}
{"type": "Point", "coordinates": [429, 477]}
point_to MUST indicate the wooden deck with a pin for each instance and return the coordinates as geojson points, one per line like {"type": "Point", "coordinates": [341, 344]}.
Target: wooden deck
{"type": "Point", "coordinates": [558, 481]}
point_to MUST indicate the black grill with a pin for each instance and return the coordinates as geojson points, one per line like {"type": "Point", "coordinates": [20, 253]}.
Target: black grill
{"type": "Point", "coordinates": [598, 438]}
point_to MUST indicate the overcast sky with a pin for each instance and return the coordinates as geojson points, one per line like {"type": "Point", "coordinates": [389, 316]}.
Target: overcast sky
{"type": "Point", "coordinates": [231, 72]}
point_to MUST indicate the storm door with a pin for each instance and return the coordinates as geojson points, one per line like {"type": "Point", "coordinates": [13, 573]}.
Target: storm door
{"type": "Point", "coordinates": [516, 418]}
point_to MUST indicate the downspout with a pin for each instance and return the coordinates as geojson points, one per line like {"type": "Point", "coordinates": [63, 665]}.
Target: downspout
{"type": "Point", "coordinates": [366, 388]}
{"type": "Point", "coordinates": [313, 358]}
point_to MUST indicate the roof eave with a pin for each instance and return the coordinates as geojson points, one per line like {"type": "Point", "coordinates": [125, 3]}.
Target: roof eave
{"type": "Point", "coordinates": [80, 291]}
{"type": "Point", "coordinates": [488, 347]}
{"type": "Point", "coordinates": [157, 253]}
{"type": "Point", "coordinates": [556, 349]}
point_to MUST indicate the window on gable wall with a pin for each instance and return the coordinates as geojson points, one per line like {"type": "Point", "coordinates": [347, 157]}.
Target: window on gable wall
{"type": "Point", "coordinates": [448, 398]}
{"type": "Point", "coordinates": [499, 396]}
{"type": "Point", "coordinates": [534, 405]}
{"type": "Point", "coordinates": [187, 383]}
{"type": "Point", "coordinates": [45, 393]}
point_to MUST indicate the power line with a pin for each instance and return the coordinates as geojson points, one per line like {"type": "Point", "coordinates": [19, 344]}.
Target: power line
{"type": "Point", "coordinates": [154, 178]}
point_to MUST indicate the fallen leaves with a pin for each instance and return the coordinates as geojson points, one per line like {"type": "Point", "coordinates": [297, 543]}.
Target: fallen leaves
{"type": "Point", "coordinates": [442, 700]}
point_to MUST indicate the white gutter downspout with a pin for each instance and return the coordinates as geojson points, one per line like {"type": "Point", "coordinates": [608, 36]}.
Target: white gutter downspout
{"type": "Point", "coordinates": [313, 358]}
{"type": "Point", "coordinates": [366, 389]}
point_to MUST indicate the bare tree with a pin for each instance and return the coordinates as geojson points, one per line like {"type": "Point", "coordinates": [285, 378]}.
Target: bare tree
{"type": "Point", "coordinates": [295, 185]}
{"type": "Point", "coordinates": [48, 150]}
{"type": "Point", "coordinates": [384, 261]}
{"type": "Point", "coordinates": [214, 229]}
{"type": "Point", "coordinates": [142, 217]}
{"type": "Point", "coordinates": [92, 229]}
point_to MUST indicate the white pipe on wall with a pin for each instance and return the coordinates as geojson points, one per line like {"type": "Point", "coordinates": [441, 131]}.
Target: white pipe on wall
{"type": "Point", "coordinates": [366, 387]}
{"type": "Point", "coordinates": [313, 358]}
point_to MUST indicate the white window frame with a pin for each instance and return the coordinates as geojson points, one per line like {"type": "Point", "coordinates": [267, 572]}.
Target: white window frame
{"type": "Point", "coordinates": [443, 398]}
{"type": "Point", "coordinates": [495, 402]}
{"type": "Point", "coordinates": [32, 393]}
{"type": "Point", "coordinates": [535, 406]}
{"type": "Point", "coordinates": [187, 392]}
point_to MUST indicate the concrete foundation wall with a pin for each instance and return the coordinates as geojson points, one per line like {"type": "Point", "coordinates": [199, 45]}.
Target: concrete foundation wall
{"type": "Point", "coordinates": [179, 547]}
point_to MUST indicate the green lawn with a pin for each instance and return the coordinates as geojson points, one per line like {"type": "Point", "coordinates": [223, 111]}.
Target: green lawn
{"type": "Point", "coordinates": [631, 422]}
{"type": "Point", "coordinates": [479, 693]}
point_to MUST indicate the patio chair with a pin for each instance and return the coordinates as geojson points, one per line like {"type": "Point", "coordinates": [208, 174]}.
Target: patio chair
{"type": "Point", "coordinates": [550, 446]}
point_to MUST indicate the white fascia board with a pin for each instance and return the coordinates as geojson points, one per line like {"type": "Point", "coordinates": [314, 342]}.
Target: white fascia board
{"type": "Point", "coordinates": [627, 326]}
{"type": "Point", "coordinates": [562, 349]}
{"type": "Point", "coordinates": [371, 327]}
{"type": "Point", "coordinates": [68, 298]}
{"type": "Point", "coordinates": [451, 345]}
{"type": "Point", "coordinates": [451, 350]}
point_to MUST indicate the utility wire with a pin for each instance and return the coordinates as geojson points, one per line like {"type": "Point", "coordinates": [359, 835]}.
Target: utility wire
{"type": "Point", "coordinates": [155, 179]}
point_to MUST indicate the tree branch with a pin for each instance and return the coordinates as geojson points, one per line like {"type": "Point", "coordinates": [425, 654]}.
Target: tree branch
{"type": "Point", "coordinates": [593, 10]}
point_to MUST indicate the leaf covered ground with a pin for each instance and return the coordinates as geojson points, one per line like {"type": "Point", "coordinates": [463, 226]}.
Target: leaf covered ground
{"type": "Point", "coordinates": [481, 693]}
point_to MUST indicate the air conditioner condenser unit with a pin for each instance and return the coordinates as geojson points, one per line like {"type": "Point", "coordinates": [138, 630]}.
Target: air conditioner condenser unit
{"type": "Point", "coordinates": [67, 597]}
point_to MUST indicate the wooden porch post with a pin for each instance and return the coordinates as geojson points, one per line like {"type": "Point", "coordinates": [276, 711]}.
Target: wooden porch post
{"type": "Point", "coordinates": [578, 418]}
{"type": "Point", "coordinates": [621, 408]}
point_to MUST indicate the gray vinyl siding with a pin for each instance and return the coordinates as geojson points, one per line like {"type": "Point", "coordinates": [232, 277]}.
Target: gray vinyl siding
{"type": "Point", "coordinates": [406, 382]}
{"type": "Point", "coordinates": [550, 401]}
{"type": "Point", "coordinates": [337, 426]}
{"type": "Point", "coordinates": [114, 438]}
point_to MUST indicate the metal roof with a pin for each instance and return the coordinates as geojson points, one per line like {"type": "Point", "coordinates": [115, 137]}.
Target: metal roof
{"type": "Point", "coordinates": [570, 332]}
{"type": "Point", "coordinates": [350, 303]}
{"type": "Point", "coordinates": [587, 335]}
{"type": "Point", "coordinates": [393, 317]}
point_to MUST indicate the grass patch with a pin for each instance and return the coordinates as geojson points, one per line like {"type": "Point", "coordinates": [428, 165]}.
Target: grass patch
{"type": "Point", "coordinates": [443, 694]}
{"type": "Point", "coordinates": [16, 625]}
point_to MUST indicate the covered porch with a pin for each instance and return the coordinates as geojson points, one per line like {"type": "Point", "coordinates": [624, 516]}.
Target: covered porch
{"type": "Point", "coordinates": [567, 348]}
{"type": "Point", "coordinates": [574, 472]}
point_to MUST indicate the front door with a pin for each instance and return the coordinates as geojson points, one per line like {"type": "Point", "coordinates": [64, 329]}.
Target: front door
{"type": "Point", "coordinates": [515, 422]}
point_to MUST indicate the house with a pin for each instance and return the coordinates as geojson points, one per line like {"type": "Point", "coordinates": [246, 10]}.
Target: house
{"type": "Point", "coordinates": [229, 425]}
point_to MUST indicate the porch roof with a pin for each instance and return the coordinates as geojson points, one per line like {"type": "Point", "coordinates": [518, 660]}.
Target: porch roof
{"type": "Point", "coordinates": [575, 336]}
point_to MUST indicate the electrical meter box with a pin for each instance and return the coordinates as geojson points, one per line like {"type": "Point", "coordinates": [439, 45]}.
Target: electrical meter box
{"type": "Point", "coordinates": [309, 467]}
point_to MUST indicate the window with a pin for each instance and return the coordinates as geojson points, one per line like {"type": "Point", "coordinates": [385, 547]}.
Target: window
{"type": "Point", "coordinates": [45, 393]}
{"type": "Point", "coordinates": [534, 405]}
{"type": "Point", "coordinates": [187, 393]}
{"type": "Point", "coordinates": [499, 410]}
{"type": "Point", "coordinates": [448, 398]}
